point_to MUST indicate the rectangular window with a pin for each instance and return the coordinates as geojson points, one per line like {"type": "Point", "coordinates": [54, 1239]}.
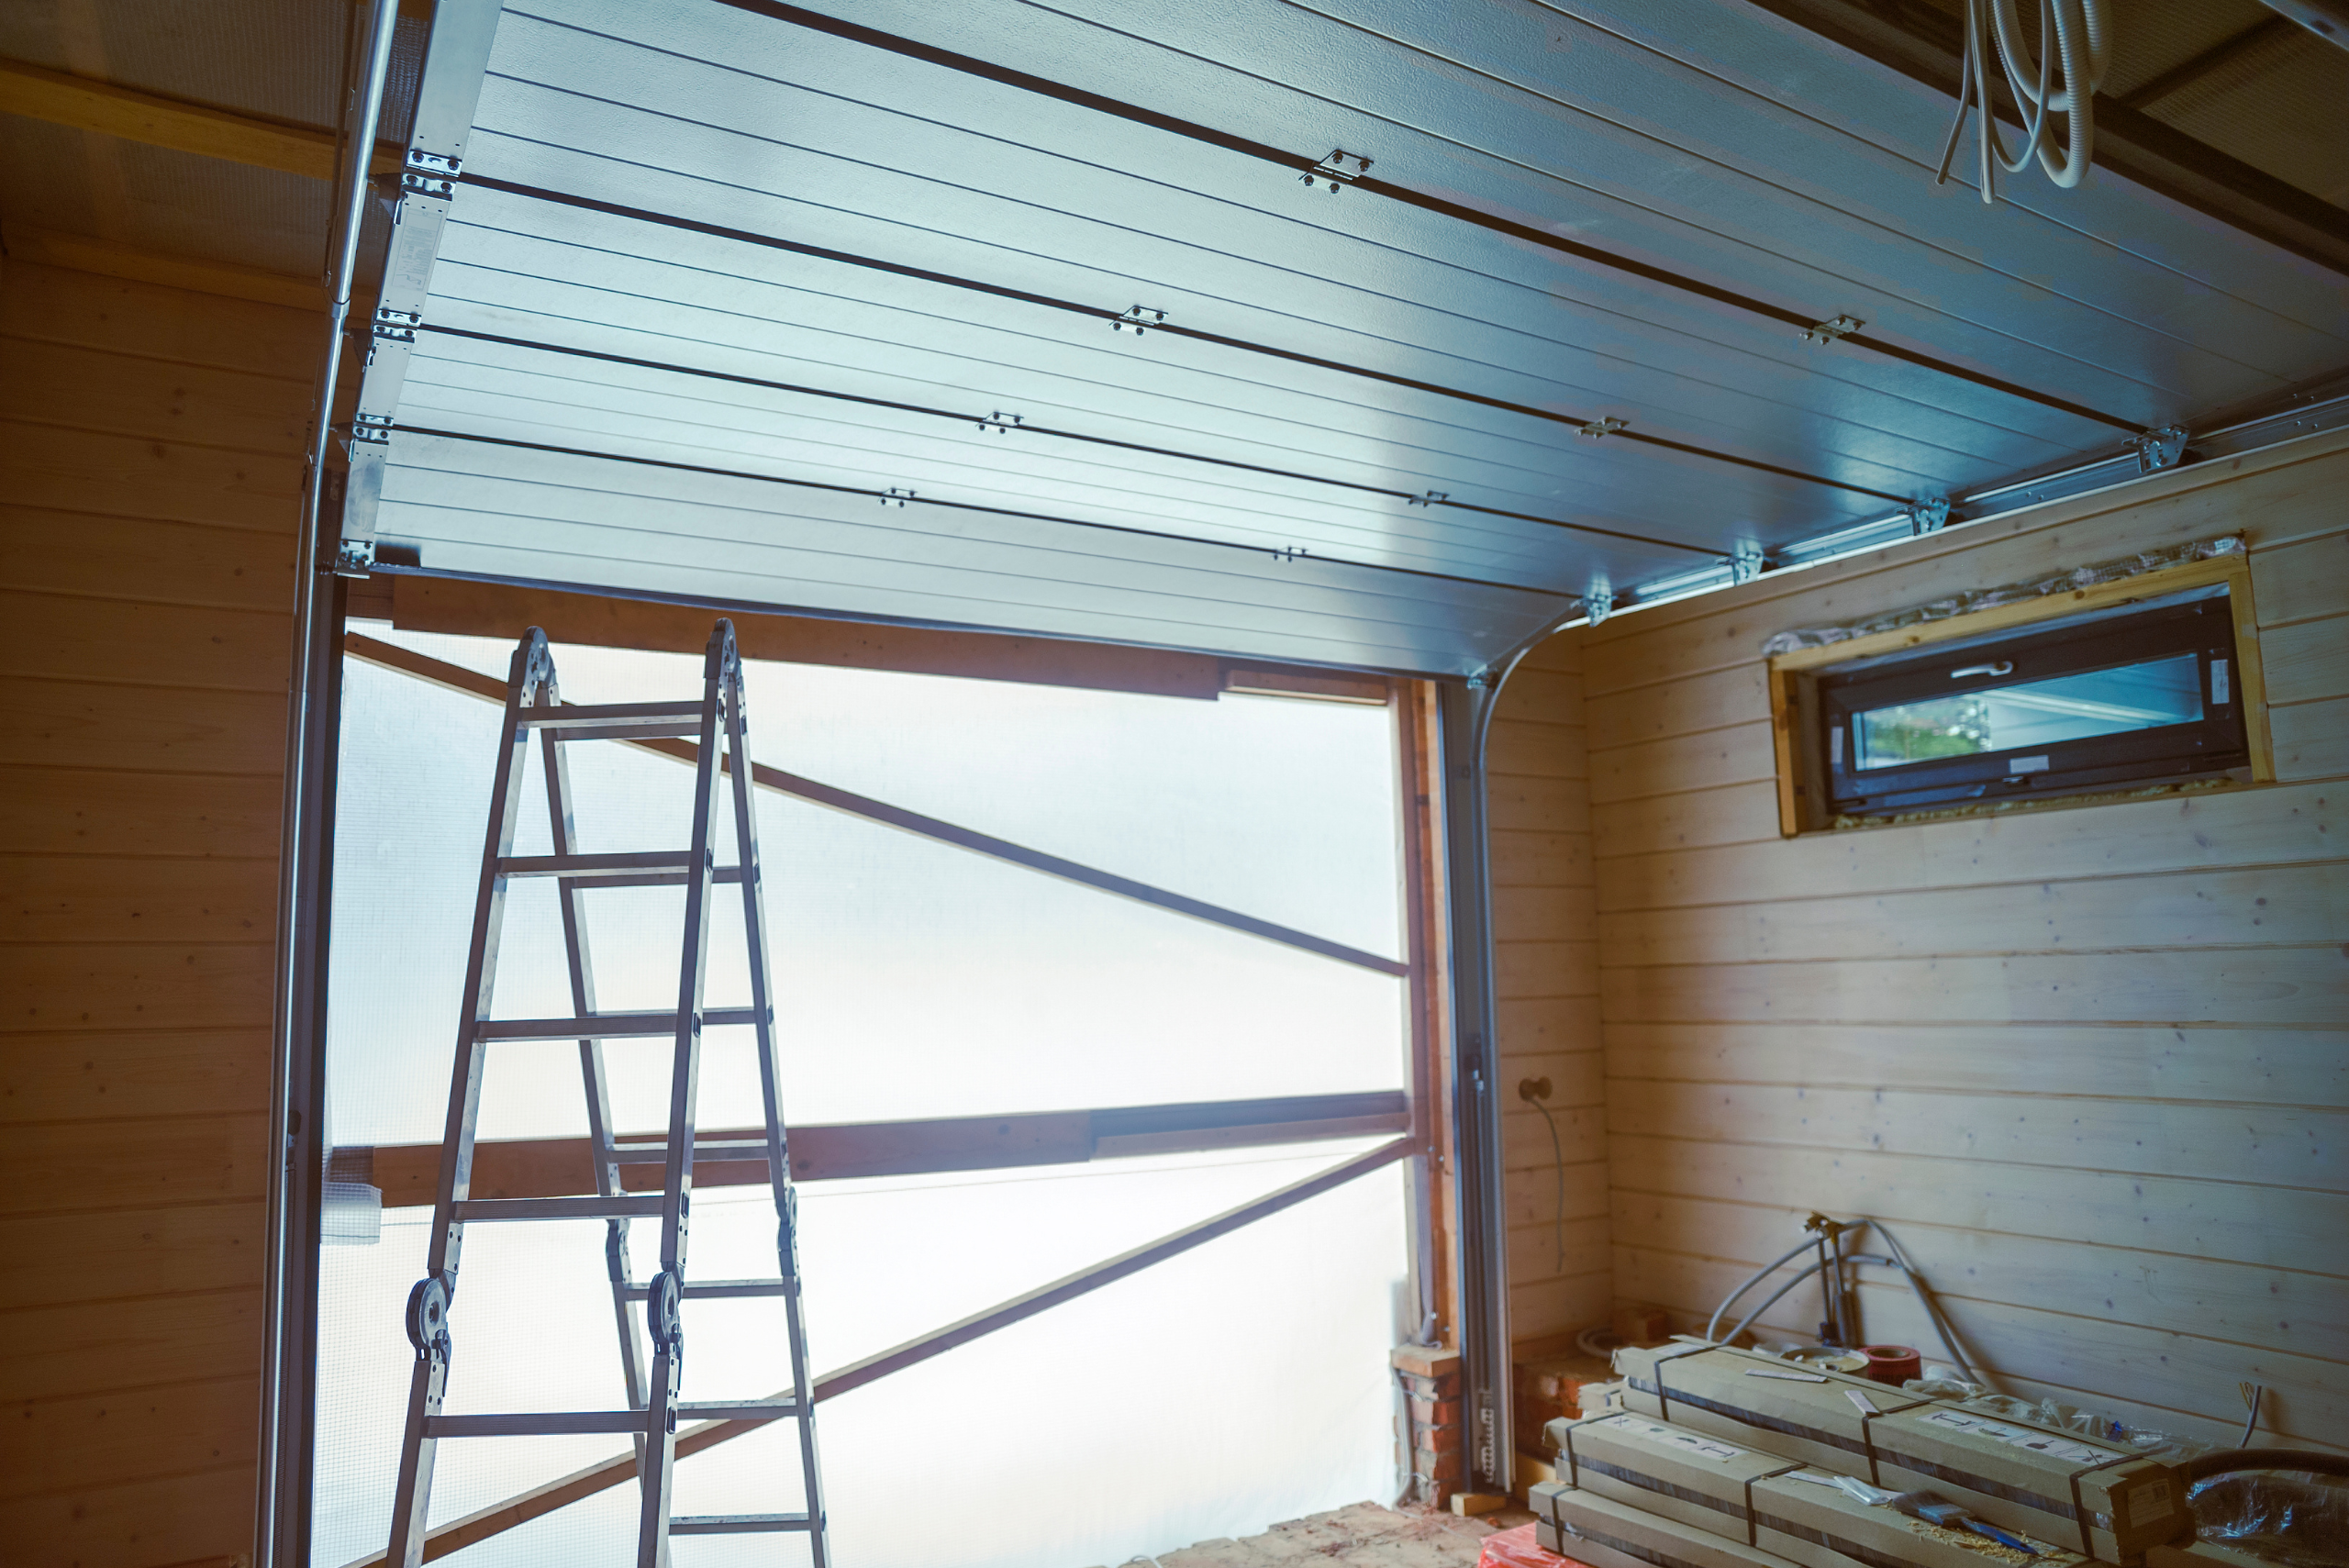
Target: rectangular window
{"type": "Point", "coordinates": [2135, 695]}
{"type": "Point", "coordinates": [2113, 686]}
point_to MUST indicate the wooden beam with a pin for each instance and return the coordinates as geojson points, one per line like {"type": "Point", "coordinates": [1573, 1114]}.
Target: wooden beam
{"type": "Point", "coordinates": [500, 1517]}
{"type": "Point", "coordinates": [490, 689]}
{"type": "Point", "coordinates": [87, 253]}
{"type": "Point", "coordinates": [408, 1173]}
{"type": "Point", "coordinates": [503, 609]}
{"type": "Point", "coordinates": [87, 104]}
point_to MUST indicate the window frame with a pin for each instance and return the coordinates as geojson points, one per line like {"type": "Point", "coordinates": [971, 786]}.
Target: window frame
{"type": "Point", "coordinates": [1810, 690]}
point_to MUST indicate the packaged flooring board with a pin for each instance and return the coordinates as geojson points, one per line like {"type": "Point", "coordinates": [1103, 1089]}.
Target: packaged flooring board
{"type": "Point", "coordinates": [1590, 1528]}
{"type": "Point", "coordinates": [1790, 1509]}
{"type": "Point", "coordinates": [2088, 1495]}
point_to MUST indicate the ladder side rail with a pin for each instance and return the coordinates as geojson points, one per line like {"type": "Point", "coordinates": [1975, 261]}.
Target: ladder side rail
{"type": "Point", "coordinates": [578, 957]}
{"type": "Point", "coordinates": [532, 669]}
{"type": "Point", "coordinates": [746, 852]}
{"type": "Point", "coordinates": [657, 1469]}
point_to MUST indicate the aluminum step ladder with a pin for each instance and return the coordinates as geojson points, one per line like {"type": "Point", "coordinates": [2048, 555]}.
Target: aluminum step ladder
{"type": "Point", "coordinates": [533, 708]}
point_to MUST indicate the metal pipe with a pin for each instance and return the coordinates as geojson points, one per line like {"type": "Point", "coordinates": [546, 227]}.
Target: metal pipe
{"type": "Point", "coordinates": [1758, 1275]}
{"type": "Point", "coordinates": [298, 862]}
{"type": "Point", "coordinates": [1747, 1320]}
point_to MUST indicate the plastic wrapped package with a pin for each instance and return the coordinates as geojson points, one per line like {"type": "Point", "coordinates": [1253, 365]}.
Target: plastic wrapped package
{"type": "Point", "coordinates": [1942, 1383]}
{"type": "Point", "coordinates": [2289, 1517]}
{"type": "Point", "coordinates": [1517, 1548]}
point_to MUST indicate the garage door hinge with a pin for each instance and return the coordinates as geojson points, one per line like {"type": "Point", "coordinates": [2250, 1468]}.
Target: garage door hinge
{"type": "Point", "coordinates": [1334, 171]}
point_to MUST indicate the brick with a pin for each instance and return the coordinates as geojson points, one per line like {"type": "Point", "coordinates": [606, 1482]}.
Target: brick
{"type": "Point", "coordinates": [1430, 1387]}
{"type": "Point", "coordinates": [1437, 1412]}
{"type": "Point", "coordinates": [1426, 1361]}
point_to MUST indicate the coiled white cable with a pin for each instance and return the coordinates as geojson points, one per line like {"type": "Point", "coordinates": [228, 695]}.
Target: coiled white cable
{"type": "Point", "coordinates": [2075, 35]}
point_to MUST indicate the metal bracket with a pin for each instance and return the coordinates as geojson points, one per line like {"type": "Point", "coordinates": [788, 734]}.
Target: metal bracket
{"type": "Point", "coordinates": [437, 186]}
{"type": "Point", "coordinates": [433, 164]}
{"type": "Point", "coordinates": [1833, 330]}
{"type": "Point", "coordinates": [1598, 604]}
{"type": "Point", "coordinates": [1596, 428]}
{"type": "Point", "coordinates": [369, 429]}
{"type": "Point", "coordinates": [1746, 563]}
{"type": "Point", "coordinates": [1332, 170]}
{"type": "Point", "coordinates": [1289, 553]}
{"type": "Point", "coordinates": [355, 559]}
{"type": "Point", "coordinates": [396, 326]}
{"type": "Point", "coordinates": [895, 495]}
{"type": "Point", "coordinates": [1001, 422]}
{"type": "Point", "coordinates": [2157, 449]}
{"type": "Point", "coordinates": [1430, 498]}
{"type": "Point", "coordinates": [1137, 318]}
{"type": "Point", "coordinates": [1928, 516]}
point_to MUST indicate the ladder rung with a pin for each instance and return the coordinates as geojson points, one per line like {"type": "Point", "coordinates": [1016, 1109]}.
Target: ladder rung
{"type": "Point", "coordinates": [655, 730]}
{"type": "Point", "coordinates": [654, 1153]}
{"type": "Point", "coordinates": [736, 1524]}
{"type": "Point", "coordinates": [535, 1424]}
{"type": "Point", "coordinates": [588, 717]}
{"type": "Point", "coordinates": [626, 1206]}
{"type": "Point", "coordinates": [606, 1026]}
{"type": "Point", "coordinates": [573, 865]}
{"type": "Point", "coordinates": [736, 1409]}
{"type": "Point", "coordinates": [723, 875]}
{"type": "Point", "coordinates": [720, 1288]}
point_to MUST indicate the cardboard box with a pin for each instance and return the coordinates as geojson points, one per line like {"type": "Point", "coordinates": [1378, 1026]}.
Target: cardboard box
{"type": "Point", "coordinates": [1787, 1508]}
{"type": "Point", "coordinates": [1590, 1528]}
{"type": "Point", "coordinates": [2203, 1554]}
{"type": "Point", "coordinates": [2051, 1484]}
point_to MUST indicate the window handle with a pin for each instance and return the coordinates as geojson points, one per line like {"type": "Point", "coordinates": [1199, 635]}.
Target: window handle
{"type": "Point", "coordinates": [2003, 667]}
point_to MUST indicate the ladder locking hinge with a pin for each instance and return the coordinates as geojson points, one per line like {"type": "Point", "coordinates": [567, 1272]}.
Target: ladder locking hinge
{"type": "Point", "coordinates": [1597, 429]}
{"type": "Point", "coordinates": [428, 1316]}
{"type": "Point", "coordinates": [1333, 171]}
{"type": "Point", "coordinates": [1833, 331]}
{"type": "Point", "coordinates": [2157, 449]}
{"type": "Point", "coordinates": [1137, 318]}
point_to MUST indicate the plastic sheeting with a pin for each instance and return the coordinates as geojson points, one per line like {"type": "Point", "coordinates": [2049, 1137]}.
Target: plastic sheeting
{"type": "Point", "coordinates": [2292, 1519]}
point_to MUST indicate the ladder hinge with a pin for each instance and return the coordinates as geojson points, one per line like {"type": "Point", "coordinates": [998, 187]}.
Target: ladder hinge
{"type": "Point", "coordinates": [1833, 331]}
{"type": "Point", "coordinates": [1335, 170]}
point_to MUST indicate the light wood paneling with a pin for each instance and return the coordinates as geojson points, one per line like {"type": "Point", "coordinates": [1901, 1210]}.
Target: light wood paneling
{"type": "Point", "coordinates": [2092, 1063]}
{"type": "Point", "coordinates": [149, 455]}
{"type": "Point", "coordinates": [1547, 961]}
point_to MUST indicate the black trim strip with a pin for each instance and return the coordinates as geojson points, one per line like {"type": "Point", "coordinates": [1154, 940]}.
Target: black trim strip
{"type": "Point", "coordinates": [1850, 1549]}
{"type": "Point", "coordinates": [1050, 302]}
{"type": "Point", "coordinates": [968, 506]}
{"type": "Point", "coordinates": [1601, 1538]}
{"type": "Point", "coordinates": [817, 22]}
{"type": "Point", "coordinates": [1659, 1486]}
{"type": "Point", "coordinates": [970, 418]}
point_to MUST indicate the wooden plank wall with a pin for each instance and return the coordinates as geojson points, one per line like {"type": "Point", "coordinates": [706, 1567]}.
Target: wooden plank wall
{"type": "Point", "coordinates": [1545, 941]}
{"type": "Point", "coordinates": [150, 480]}
{"type": "Point", "coordinates": [2089, 1062]}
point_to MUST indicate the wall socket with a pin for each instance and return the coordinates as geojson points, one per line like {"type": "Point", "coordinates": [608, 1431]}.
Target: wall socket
{"type": "Point", "coordinates": [1532, 1089]}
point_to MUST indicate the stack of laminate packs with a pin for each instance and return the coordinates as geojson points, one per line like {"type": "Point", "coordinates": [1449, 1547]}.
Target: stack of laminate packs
{"type": "Point", "coordinates": [1730, 1459]}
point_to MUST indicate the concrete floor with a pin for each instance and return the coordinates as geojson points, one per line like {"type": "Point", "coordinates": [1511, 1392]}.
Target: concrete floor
{"type": "Point", "coordinates": [1362, 1536]}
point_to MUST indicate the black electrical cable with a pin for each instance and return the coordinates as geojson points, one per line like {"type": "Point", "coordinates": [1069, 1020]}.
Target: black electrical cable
{"type": "Point", "coordinates": [1133, 113]}
{"type": "Point", "coordinates": [1099, 313]}
{"type": "Point", "coordinates": [909, 498]}
{"type": "Point", "coordinates": [1025, 427]}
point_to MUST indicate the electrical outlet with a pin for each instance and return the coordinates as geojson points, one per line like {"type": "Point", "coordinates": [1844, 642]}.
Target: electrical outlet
{"type": "Point", "coordinates": [1532, 1089]}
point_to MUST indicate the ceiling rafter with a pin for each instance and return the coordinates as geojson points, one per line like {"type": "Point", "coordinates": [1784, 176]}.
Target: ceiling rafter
{"type": "Point", "coordinates": [86, 103]}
